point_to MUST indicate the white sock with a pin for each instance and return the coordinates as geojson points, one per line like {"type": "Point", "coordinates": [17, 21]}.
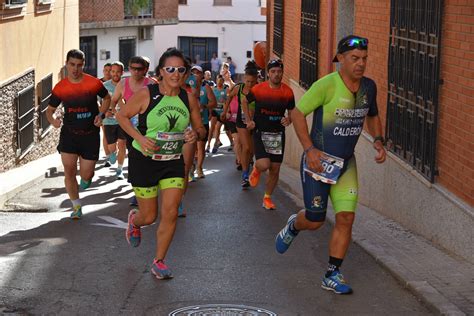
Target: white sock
{"type": "Point", "coordinates": [119, 167]}
{"type": "Point", "coordinates": [76, 203]}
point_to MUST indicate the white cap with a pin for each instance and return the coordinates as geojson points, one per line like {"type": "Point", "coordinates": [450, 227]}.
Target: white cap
{"type": "Point", "coordinates": [199, 68]}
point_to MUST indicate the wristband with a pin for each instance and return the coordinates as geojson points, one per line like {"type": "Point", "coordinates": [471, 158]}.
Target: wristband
{"type": "Point", "coordinates": [309, 148]}
{"type": "Point", "coordinates": [376, 138]}
{"type": "Point", "coordinates": [102, 115]}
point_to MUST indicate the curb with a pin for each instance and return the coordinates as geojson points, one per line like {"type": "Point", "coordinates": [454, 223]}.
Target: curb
{"type": "Point", "coordinates": [423, 290]}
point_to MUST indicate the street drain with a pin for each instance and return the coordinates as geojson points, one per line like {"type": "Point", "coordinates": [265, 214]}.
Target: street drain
{"type": "Point", "coordinates": [221, 310]}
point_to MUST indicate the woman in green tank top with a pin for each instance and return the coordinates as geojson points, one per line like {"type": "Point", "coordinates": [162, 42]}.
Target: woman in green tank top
{"type": "Point", "coordinates": [155, 161]}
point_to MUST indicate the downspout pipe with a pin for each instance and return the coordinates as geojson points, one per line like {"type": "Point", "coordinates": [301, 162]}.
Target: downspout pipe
{"type": "Point", "coordinates": [330, 36]}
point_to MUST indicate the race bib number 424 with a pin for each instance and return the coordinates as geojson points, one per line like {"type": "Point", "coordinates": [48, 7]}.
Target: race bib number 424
{"type": "Point", "coordinates": [169, 145]}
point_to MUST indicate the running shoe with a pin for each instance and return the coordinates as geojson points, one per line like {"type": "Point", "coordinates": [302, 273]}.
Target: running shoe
{"type": "Point", "coordinates": [231, 148]}
{"type": "Point", "coordinates": [285, 237]}
{"type": "Point", "coordinates": [133, 233]}
{"type": "Point", "coordinates": [83, 184]}
{"type": "Point", "coordinates": [119, 174]}
{"type": "Point", "coordinates": [239, 167]}
{"type": "Point", "coordinates": [191, 177]}
{"type": "Point", "coordinates": [268, 204]}
{"type": "Point", "coordinates": [200, 174]}
{"type": "Point", "coordinates": [133, 201]}
{"type": "Point", "coordinates": [207, 150]}
{"type": "Point", "coordinates": [214, 149]}
{"type": "Point", "coordinates": [181, 211]}
{"type": "Point", "coordinates": [254, 177]}
{"type": "Point", "coordinates": [107, 163]}
{"type": "Point", "coordinates": [245, 183]}
{"type": "Point", "coordinates": [161, 270]}
{"type": "Point", "coordinates": [113, 158]}
{"type": "Point", "coordinates": [336, 283]}
{"type": "Point", "coordinates": [76, 212]}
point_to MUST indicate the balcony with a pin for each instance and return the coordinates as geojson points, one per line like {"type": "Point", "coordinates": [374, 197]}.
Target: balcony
{"type": "Point", "coordinates": [138, 9]}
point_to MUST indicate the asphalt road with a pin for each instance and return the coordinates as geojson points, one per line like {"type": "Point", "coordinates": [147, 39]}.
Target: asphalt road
{"type": "Point", "coordinates": [223, 252]}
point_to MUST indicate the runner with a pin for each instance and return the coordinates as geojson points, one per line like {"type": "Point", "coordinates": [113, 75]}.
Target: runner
{"type": "Point", "coordinates": [107, 76]}
{"type": "Point", "coordinates": [229, 116]}
{"type": "Point", "coordinates": [220, 92]}
{"type": "Point", "coordinates": [272, 100]}
{"type": "Point", "coordinates": [208, 79]}
{"type": "Point", "coordinates": [115, 136]}
{"type": "Point", "coordinates": [340, 102]}
{"type": "Point", "coordinates": [79, 138]}
{"type": "Point", "coordinates": [106, 72]}
{"type": "Point", "coordinates": [155, 157]}
{"type": "Point", "coordinates": [245, 139]}
{"type": "Point", "coordinates": [138, 67]}
{"type": "Point", "coordinates": [207, 102]}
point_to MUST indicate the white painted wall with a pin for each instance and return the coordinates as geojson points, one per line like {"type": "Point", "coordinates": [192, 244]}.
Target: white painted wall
{"type": "Point", "coordinates": [236, 28]}
{"type": "Point", "coordinates": [108, 39]}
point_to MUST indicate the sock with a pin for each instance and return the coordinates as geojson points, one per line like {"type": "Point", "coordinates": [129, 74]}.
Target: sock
{"type": "Point", "coordinates": [76, 203]}
{"type": "Point", "coordinates": [333, 265]}
{"type": "Point", "coordinates": [245, 174]}
{"type": "Point", "coordinates": [267, 195]}
{"type": "Point", "coordinates": [119, 167]}
{"type": "Point", "coordinates": [292, 228]}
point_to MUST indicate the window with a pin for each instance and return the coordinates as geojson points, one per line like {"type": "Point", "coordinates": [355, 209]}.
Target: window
{"type": "Point", "coordinates": [262, 3]}
{"type": "Point", "coordinates": [223, 2]}
{"type": "Point", "coordinates": [138, 9]}
{"type": "Point", "coordinates": [309, 42]}
{"type": "Point", "coordinates": [25, 119]}
{"type": "Point", "coordinates": [127, 49]}
{"type": "Point", "coordinates": [278, 27]}
{"type": "Point", "coordinates": [12, 3]}
{"type": "Point", "coordinates": [44, 95]}
{"type": "Point", "coordinates": [185, 2]}
{"type": "Point", "coordinates": [12, 9]}
{"type": "Point", "coordinates": [413, 81]}
{"type": "Point", "coordinates": [200, 49]}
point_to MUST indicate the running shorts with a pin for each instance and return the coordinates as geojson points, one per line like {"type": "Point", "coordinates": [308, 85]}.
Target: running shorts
{"type": "Point", "coordinates": [86, 145]}
{"type": "Point", "coordinates": [344, 194]}
{"type": "Point", "coordinates": [113, 133]}
{"type": "Point", "coordinates": [259, 148]}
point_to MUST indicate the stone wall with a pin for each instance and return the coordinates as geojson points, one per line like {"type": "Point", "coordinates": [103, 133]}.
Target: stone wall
{"type": "Point", "coordinates": [41, 147]}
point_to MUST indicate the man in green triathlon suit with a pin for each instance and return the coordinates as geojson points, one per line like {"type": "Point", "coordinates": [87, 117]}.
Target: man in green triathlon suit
{"type": "Point", "coordinates": [155, 157]}
{"type": "Point", "coordinates": [340, 103]}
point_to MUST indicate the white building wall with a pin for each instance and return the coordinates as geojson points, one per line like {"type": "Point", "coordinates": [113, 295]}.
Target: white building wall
{"type": "Point", "coordinates": [204, 10]}
{"type": "Point", "coordinates": [108, 39]}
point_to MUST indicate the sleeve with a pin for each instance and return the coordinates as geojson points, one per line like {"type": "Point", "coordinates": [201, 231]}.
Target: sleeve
{"type": "Point", "coordinates": [291, 100]}
{"type": "Point", "coordinates": [313, 98]}
{"type": "Point", "coordinates": [55, 100]}
{"type": "Point", "coordinates": [373, 109]}
{"type": "Point", "coordinates": [102, 91]}
{"type": "Point", "coordinates": [251, 95]}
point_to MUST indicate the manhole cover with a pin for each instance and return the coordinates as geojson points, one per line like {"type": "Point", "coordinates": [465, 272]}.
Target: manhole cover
{"type": "Point", "coordinates": [221, 310]}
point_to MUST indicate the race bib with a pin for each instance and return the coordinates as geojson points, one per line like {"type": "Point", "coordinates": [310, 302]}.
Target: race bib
{"type": "Point", "coordinates": [273, 142]}
{"type": "Point", "coordinates": [169, 145]}
{"type": "Point", "coordinates": [332, 169]}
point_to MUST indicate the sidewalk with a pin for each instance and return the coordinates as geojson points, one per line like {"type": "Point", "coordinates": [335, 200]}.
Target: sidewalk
{"type": "Point", "coordinates": [443, 282]}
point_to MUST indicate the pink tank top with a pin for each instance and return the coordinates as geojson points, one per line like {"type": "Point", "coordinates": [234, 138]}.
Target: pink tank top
{"type": "Point", "coordinates": [127, 91]}
{"type": "Point", "coordinates": [234, 107]}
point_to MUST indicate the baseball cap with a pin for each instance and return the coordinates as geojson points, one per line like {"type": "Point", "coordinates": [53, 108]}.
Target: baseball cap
{"type": "Point", "coordinates": [197, 67]}
{"type": "Point", "coordinates": [349, 43]}
{"type": "Point", "coordinates": [274, 63]}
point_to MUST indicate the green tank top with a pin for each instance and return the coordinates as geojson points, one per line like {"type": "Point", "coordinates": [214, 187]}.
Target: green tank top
{"type": "Point", "coordinates": [165, 121]}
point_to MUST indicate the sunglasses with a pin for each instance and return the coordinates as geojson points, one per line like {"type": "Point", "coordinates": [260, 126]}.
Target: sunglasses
{"type": "Point", "coordinates": [356, 43]}
{"type": "Point", "coordinates": [136, 68]}
{"type": "Point", "coordinates": [171, 70]}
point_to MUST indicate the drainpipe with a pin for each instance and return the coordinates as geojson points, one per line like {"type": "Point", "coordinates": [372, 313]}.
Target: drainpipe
{"type": "Point", "coordinates": [330, 36]}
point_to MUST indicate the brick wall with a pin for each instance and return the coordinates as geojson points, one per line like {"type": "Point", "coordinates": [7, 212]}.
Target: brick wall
{"type": "Point", "coordinates": [456, 111]}
{"type": "Point", "coordinates": [113, 10]}
{"type": "Point", "coordinates": [372, 20]}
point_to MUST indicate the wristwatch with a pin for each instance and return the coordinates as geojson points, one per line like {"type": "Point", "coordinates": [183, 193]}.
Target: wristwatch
{"type": "Point", "coordinates": [102, 115]}
{"type": "Point", "coordinates": [376, 138]}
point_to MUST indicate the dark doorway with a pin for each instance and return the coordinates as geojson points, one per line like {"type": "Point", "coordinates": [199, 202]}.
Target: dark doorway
{"type": "Point", "coordinates": [88, 44]}
{"type": "Point", "coordinates": [203, 47]}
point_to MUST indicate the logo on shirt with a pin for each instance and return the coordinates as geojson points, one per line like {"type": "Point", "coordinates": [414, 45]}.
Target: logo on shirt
{"type": "Point", "coordinates": [172, 120]}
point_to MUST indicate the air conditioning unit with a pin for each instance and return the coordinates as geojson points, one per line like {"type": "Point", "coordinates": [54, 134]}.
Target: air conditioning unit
{"type": "Point", "coordinates": [145, 33]}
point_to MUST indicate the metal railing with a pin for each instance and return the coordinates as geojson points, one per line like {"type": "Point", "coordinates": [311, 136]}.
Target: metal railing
{"type": "Point", "coordinates": [413, 82]}
{"type": "Point", "coordinates": [309, 43]}
{"type": "Point", "coordinates": [278, 27]}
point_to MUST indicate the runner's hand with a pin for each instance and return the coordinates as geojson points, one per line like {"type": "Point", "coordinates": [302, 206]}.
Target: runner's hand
{"type": "Point", "coordinates": [190, 136]}
{"type": "Point", "coordinates": [313, 160]}
{"type": "Point", "coordinates": [109, 113]}
{"type": "Point", "coordinates": [148, 145]}
{"type": "Point", "coordinates": [57, 122]}
{"type": "Point", "coordinates": [381, 153]}
{"type": "Point", "coordinates": [286, 121]}
{"type": "Point", "coordinates": [250, 124]}
{"type": "Point", "coordinates": [97, 121]}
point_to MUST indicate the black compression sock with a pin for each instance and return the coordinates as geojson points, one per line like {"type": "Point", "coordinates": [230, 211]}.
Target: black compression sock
{"type": "Point", "coordinates": [333, 265]}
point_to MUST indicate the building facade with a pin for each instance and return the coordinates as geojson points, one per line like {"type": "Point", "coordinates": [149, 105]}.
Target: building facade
{"type": "Point", "coordinates": [35, 36]}
{"type": "Point", "coordinates": [226, 27]}
{"type": "Point", "coordinates": [119, 29]}
{"type": "Point", "coordinates": [421, 57]}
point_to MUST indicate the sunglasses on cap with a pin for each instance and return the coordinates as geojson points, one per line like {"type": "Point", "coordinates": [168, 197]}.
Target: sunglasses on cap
{"type": "Point", "coordinates": [275, 63]}
{"type": "Point", "coordinates": [356, 43]}
{"type": "Point", "coordinates": [170, 69]}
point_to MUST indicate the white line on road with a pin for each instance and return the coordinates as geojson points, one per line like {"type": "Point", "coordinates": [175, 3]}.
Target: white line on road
{"type": "Point", "coordinates": [114, 222]}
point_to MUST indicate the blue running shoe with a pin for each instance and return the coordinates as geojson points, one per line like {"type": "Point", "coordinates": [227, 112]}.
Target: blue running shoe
{"type": "Point", "coordinates": [181, 211]}
{"type": "Point", "coordinates": [161, 270]}
{"type": "Point", "coordinates": [76, 212]}
{"type": "Point", "coordinates": [113, 158]}
{"type": "Point", "coordinates": [83, 184]}
{"type": "Point", "coordinates": [133, 233]}
{"type": "Point", "coordinates": [336, 283]}
{"type": "Point", "coordinates": [133, 201]}
{"type": "Point", "coordinates": [285, 237]}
